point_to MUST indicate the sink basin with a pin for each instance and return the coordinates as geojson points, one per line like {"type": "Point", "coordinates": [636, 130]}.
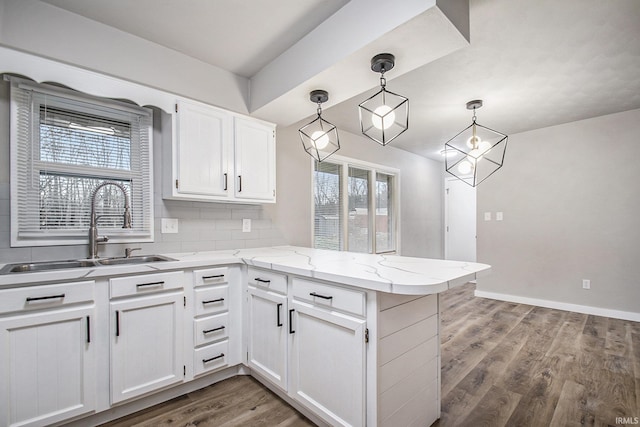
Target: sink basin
{"type": "Point", "coordinates": [142, 259]}
{"type": "Point", "coordinates": [46, 266]}
{"type": "Point", "coordinates": [79, 263]}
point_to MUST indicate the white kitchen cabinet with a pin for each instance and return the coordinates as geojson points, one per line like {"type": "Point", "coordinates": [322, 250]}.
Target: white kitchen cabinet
{"type": "Point", "coordinates": [202, 151]}
{"type": "Point", "coordinates": [47, 355]}
{"type": "Point", "coordinates": [216, 155]}
{"type": "Point", "coordinates": [146, 334]}
{"type": "Point", "coordinates": [327, 363]}
{"type": "Point", "coordinates": [267, 335]}
{"type": "Point", "coordinates": [255, 160]}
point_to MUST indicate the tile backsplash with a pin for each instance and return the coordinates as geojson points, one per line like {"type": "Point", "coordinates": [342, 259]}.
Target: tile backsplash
{"type": "Point", "coordinates": [202, 227]}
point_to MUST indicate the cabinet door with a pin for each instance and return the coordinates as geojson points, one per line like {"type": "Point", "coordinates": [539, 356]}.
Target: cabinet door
{"type": "Point", "coordinates": [327, 362]}
{"type": "Point", "coordinates": [267, 339]}
{"type": "Point", "coordinates": [255, 160]}
{"type": "Point", "coordinates": [48, 367]}
{"type": "Point", "coordinates": [203, 150]}
{"type": "Point", "coordinates": [146, 344]}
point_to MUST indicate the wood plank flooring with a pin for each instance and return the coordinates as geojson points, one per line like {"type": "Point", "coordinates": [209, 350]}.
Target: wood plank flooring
{"type": "Point", "coordinates": [503, 364]}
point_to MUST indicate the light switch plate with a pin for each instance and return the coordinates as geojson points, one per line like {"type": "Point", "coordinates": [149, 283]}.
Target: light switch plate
{"type": "Point", "coordinates": [169, 225]}
{"type": "Point", "coordinates": [246, 225]}
{"type": "Point", "coordinates": [487, 216]}
{"type": "Point", "coordinates": [498, 216]}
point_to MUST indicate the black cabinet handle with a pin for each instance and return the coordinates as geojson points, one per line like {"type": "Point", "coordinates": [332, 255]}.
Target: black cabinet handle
{"type": "Point", "coordinates": [257, 279]}
{"type": "Point", "coordinates": [141, 285]}
{"type": "Point", "coordinates": [88, 329]}
{"type": "Point", "coordinates": [29, 299]}
{"type": "Point", "coordinates": [213, 358]}
{"type": "Point", "coordinates": [313, 294]}
{"type": "Point", "coordinates": [225, 182]}
{"type": "Point", "coordinates": [213, 301]}
{"type": "Point", "coordinates": [291, 331]}
{"type": "Point", "coordinates": [117, 323]}
{"type": "Point", "coordinates": [208, 331]}
{"type": "Point", "coordinates": [239, 183]}
{"type": "Point", "coordinates": [278, 314]}
{"type": "Point", "coordinates": [215, 276]}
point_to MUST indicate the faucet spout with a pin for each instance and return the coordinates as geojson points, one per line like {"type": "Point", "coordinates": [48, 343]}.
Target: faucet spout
{"type": "Point", "coordinates": [94, 239]}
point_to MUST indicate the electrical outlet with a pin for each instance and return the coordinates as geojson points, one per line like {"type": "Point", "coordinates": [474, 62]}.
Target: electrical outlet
{"type": "Point", "coordinates": [246, 225]}
{"type": "Point", "coordinates": [586, 284]}
{"type": "Point", "coordinates": [169, 225]}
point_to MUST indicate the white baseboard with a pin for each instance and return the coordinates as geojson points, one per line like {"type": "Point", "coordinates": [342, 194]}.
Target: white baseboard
{"type": "Point", "coordinates": [586, 309]}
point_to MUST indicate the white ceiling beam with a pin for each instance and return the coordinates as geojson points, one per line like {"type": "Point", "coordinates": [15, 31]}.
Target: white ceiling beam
{"type": "Point", "coordinates": [336, 55]}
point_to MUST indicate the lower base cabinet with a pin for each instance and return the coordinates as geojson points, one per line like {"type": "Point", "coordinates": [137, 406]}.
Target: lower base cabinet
{"type": "Point", "coordinates": [328, 364]}
{"type": "Point", "coordinates": [47, 356]}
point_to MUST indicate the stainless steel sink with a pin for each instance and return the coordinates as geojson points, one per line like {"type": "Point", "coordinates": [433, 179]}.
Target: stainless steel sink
{"type": "Point", "coordinates": [79, 263]}
{"type": "Point", "coordinates": [46, 266]}
{"type": "Point", "coordinates": [142, 259]}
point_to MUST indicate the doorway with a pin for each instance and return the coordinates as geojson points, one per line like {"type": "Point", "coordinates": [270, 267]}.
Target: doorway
{"type": "Point", "coordinates": [460, 220]}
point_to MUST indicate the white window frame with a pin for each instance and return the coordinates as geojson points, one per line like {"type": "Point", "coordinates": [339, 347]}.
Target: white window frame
{"type": "Point", "coordinates": [20, 238]}
{"type": "Point", "coordinates": [372, 168]}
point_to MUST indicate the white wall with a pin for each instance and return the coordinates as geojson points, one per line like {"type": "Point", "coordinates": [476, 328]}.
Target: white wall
{"type": "Point", "coordinates": [571, 201]}
{"type": "Point", "coordinates": [420, 193]}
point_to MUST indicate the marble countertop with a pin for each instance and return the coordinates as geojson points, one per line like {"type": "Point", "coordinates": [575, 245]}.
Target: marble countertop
{"type": "Point", "coordinates": [385, 273]}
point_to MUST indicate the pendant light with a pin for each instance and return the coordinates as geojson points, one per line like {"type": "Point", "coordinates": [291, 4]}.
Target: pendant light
{"type": "Point", "coordinates": [480, 151]}
{"type": "Point", "coordinates": [319, 137]}
{"type": "Point", "coordinates": [385, 115]}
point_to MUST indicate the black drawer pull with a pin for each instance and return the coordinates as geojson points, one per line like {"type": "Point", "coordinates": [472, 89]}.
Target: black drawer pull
{"type": "Point", "coordinates": [29, 299]}
{"type": "Point", "coordinates": [239, 183]}
{"type": "Point", "coordinates": [257, 279]}
{"type": "Point", "coordinates": [225, 182]}
{"type": "Point", "coordinates": [279, 323]}
{"type": "Point", "coordinates": [291, 331]}
{"type": "Point", "coordinates": [213, 301]}
{"type": "Point", "coordinates": [213, 358]}
{"type": "Point", "coordinates": [140, 285]}
{"type": "Point", "coordinates": [313, 294]}
{"type": "Point", "coordinates": [216, 276]}
{"type": "Point", "coordinates": [117, 323]}
{"type": "Point", "coordinates": [208, 331]}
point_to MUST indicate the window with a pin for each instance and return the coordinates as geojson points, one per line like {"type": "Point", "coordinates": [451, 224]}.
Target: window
{"type": "Point", "coordinates": [63, 145]}
{"type": "Point", "coordinates": [354, 206]}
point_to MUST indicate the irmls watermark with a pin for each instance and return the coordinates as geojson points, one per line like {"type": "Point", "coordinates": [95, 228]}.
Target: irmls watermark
{"type": "Point", "coordinates": [627, 420]}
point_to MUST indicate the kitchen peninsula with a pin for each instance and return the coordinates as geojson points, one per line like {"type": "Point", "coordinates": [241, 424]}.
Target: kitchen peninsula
{"type": "Point", "coordinates": [346, 338]}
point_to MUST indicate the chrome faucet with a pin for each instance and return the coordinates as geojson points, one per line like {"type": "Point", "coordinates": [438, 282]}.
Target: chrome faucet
{"type": "Point", "coordinates": [94, 239]}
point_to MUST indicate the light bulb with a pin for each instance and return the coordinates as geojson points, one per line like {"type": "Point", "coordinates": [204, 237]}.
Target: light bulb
{"type": "Point", "coordinates": [465, 167]}
{"type": "Point", "coordinates": [474, 141]}
{"type": "Point", "coordinates": [320, 139]}
{"type": "Point", "coordinates": [383, 117]}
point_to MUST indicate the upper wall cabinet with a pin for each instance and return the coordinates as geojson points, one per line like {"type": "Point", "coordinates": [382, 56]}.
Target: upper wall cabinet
{"type": "Point", "coordinates": [216, 155]}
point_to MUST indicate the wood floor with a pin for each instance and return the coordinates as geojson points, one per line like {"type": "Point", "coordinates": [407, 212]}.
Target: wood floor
{"type": "Point", "coordinates": [503, 364]}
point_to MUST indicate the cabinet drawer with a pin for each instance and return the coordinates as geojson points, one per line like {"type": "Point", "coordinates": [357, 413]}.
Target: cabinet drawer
{"type": "Point", "coordinates": [211, 357]}
{"type": "Point", "coordinates": [211, 329]}
{"type": "Point", "coordinates": [211, 300]}
{"type": "Point", "coordinates": [145, 283]}
{"type": "Point", "coordinates": [324, 295]}
{"type": "Point", "coordinates": [45, 296]}
{"type": "Point", "coordinates": [267, 280]}
{"type": "Point", "coordinates": [210, 276]}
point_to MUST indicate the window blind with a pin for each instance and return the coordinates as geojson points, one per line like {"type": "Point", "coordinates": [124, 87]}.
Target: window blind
{"type": "Point", "coordinates": [327, 206]}
{"type": "Point", "coordinates": [64, 147]}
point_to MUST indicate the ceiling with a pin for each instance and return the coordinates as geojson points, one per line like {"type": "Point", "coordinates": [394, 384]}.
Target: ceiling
{"type": "Point", "coordinates": [535, 64]}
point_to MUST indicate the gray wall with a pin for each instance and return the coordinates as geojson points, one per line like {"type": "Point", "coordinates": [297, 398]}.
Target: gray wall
{"type": "Point", "coordinates": [571, 200]}
{"type": "Point", "coordinates": [202, 226]}
{"type": "Point", "coordinates": [420, 193]}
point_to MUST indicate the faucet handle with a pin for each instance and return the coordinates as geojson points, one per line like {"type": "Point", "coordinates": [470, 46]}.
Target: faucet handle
{"type": "Point", "coordinates": [128, 251]}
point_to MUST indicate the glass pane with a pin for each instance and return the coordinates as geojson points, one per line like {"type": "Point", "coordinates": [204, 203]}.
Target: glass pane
{"type": "Point", "coordinates": [65, 202]}
{"type": "Point", "coordinates": [327, 207]}
{"type": "Point", "coordinates": [74, 138]}
{"type": "Point", "coordinates": [358, 220]}
{"type": "Point", "coordinates": [385, 233]}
